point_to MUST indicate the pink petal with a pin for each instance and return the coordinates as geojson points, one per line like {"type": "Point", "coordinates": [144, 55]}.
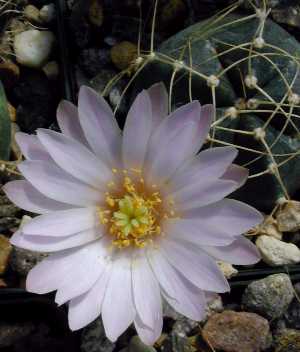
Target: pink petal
{"type": "Point", "coordinates": [203, 193]}
{"type": "Point", "coordinates": [31, 147]}
{"type": "Point", "coordinates": [195, 265]}
{"type": "Point", "coordinates": [137, 131]}
{"type": "Point", "coordinates": [194, 231]}
{"type": "Point", "coordinates": [180, 293]}
{"type": "Point", "coordinates": [148, 336]}
{"type": "Point", "coordinates": [62, 223]}
{"type": "Point", "coordinates": [25, 196]}
{"type": "Point", "coordinates": [75, 158]}
{"type": "Point", "coordinates": [175, 140]}
{"type": "Point", "coordinates": [240, 252]}
{"type": "Point", "coordinates": [68, 121]}
{"type": "Point", "coordinates": [237, 174]}
{"type": "Point", "coordinates": [87, 307]}
{"type": "Point", "coordinates": [56, 184]}
{"type": "Point", "coordinates": [73, 270]}
{"type": "Point", "coordinates": [228, 216]}
{"type": "Point", "coordinates": [117, 309]}
{"type": "Point", "coordinates": [99, 126]}
{"type": "Point", "coordinates": [146, 292]}
{"type": "Point", "coordinates": [159, 102]}
{"type": "Point", "coordinates": [53, 244]}
{"type": "Point", "coordinates": [210, 163]}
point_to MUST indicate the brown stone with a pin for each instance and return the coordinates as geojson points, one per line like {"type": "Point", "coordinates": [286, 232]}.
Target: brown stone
{"type": "Point", "coordinates": [288, 216]}
{"type": "Point", "coordinates": [96, 13]}
{"type": "Point", "coordinates": [9, 73]}
{"type": "Point", "coordinates": [123, 54]}
{"type": "Point", "coordinates": [5, 250]}
{"type": "Point", "coordinates": [231, 331]}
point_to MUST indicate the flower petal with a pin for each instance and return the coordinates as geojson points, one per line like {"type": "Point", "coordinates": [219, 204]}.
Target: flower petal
{"type": "Point", "coordinates": [56, 184]}
{"type": "Point", "coordinates": [146, 292]}
{"type": "Point", "coordinates": [62, 223]}
{"type": "Point", "coordinates": [25, 196]}
{"type": "Point", "coordinates": [117, 309]}
{"type": "Point", "coordinates": [159, 102]}
{"type": "Point", "coordinates": [195, 265]}
{"type": "Point", "coordinates": [87, 307]}
{"type": "Point", "coordinates": [53, 244]}
{"type": "Point", "coordinates": [75, 158]}
{"type": "Point", "coordinates": [61, 270]}
{"type": "Point", "coordinates": [137, 131]}
{"type": "Point", "coordinates": [240, 252]}
{"type": "Point", "coordinates": [175, 140]}
{"type": "Point", "coordinates": [99, 126]}
{"type": "Point", "coordinates": [31, 147]}
{"type": "Point", "coordinates": [179, 292]}
{"type": "Point", "coordinates": [237, 174]}
{"type": "Point", "coordinates": [68, 121]}
{"type": "Point", "coordinates": [148, 336]}
{"type": "Point", "coordinates": [210, 163]}
{"type": "Point", "coordinates": [203, 193]}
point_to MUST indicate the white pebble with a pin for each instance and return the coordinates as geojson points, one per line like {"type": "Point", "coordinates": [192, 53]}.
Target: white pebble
{"type": "Point", "coordinates": [33, 47]}
{"type": "Point", "coordinates": [47, 13]}
{"type": "Point", "coordinates": [275, 252]}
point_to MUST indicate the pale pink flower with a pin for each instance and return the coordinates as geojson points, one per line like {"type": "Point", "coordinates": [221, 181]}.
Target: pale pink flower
{"type": "Point", "coordinates": [133, 218]}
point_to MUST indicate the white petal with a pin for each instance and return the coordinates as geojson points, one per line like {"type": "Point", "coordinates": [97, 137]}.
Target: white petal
{"type": "Point", "coordinates": [159, 102]}
{"type": "Point", "coordinates": [193, 263]}
{"type": "Point", "coordinates": [148, 336]}
{"type": "Point", "coordinates": [137, 131]}
{"type": "Point", "coordinates": [237, 174]}
{"type": "Point", "coordinates": [75, 158]}
{"type": "Point", "coordinates": [87, 307]}
{"type": "Point", "coordinates": [56, 184]}
{"type": "Point", "coordinates": [31, 147]}
{"type": "Point", "coordinates": [53, 244]}
{"type": "Point", "coordinates": [118, 309]}
{"type": "Point", "coordinates": [62, 223]}
{"type": "Point", "coordinates": [99, 126]}
{"type": "Point", "coordinates": [25, 196]}
{"type": "Point", "coordinates": [146, 292]}
{"type": "Point", "coordinates": [68, 121]}
{"type": "Point", "coordinates": [179, 292]}
{"type": "Point", "coordinates": [73, 271]}
{"type": "Point", "coordinates": [240, 252]}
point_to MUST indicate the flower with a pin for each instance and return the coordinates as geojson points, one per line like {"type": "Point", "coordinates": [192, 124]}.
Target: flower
{"type": "Point", "coordinates": [132, 219]}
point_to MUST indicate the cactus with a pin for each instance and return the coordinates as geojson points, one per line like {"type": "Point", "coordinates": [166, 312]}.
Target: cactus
{"type": "Point", "coordinates": [248, 66]}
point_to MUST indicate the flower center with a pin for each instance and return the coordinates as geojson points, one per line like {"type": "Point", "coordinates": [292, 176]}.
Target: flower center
{"type": "Point", "coordinates": [132, 213]}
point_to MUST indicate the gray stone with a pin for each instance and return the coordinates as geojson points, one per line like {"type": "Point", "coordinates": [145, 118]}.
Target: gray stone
{"type": "Point", "coordinates": [288, 341]}
{"type": "Point", "coordinates": [270, 296]}
{"type": "Point", "coordinates": [10, 333]}
{"type": "Point", "coordinates": [23, 260]}
{"type": "Point", "coordinates": [93, 338]}
{"type": "Point", "coordinates": [136, 345]}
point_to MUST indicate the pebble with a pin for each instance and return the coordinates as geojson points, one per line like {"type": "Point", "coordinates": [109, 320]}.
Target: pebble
{"type": "Point", "coordinates": [227, 269]}
{"type": "Point", "coordinates": [5, 251]}
{"type": "Point", "coordinates": [51, 70]}
{"type": "Point", "coordinates": [237, 331]}
{"type": "Point", "coordinates": [95, 13]}
{"type": "Point", "coordinates": [32, 13]}
{"type": "Point", "coordinates": [33, 47]}
{"type": "Point", "coordinates": [123, 54]}
{"type": "Point", "coordinates": [93, 60]}
{"type": "Point", "coordinates": [93, 338]}
{"type": "Point", "coordinates": [8, 214]}
{"type": "Point", "coordinates": [270, 296]}
{"type": "Point", "coordinates": [275, 252]}
{"type": "Point", "coordinates": [9, 73]}
{"type": "Point", "coordinates": [288, 341]}
{"type": "Point", "coordinates": [288, 216]}
{"type": "Point", "coordinates": [136, 345]}
{"type": "Point", "coordinates": [214, 305]}
{"type": "Point", "coordinates": [47, 13]}
{"type": "Point", "coordinates": [10, 333]}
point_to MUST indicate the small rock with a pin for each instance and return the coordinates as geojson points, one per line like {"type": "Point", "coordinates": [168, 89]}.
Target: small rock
{"type": "Point", "coordinates": [93, 60]}
{"type": "Point", "coordinates": [136, 345]}
{"type": "Point", "coordinates": [172, 15]}
{"type": "Point", "coordinates": [10, 333]}
{"type": "Point", "coordinates": [93, 338]}
{"type": "Point", "coordinates": [270, 296]}
{"type": "Point", "coordinates": [292, 315]}
{"type": "Point", "coordinates": [288, 341]}
{"type": "Point", "coordinates": [288, 216]}
{"type": "Point", "coordinates": [8, 214]}
{"type": "Point", "coordinates": [275, 252]}
{"type": "Point", "coordinates": [51, 70]}
{"type": "Point", "coordinates": [214, 305]}
{"type": "Point", "coordinates": [96, 13]}
{"type": "Point", "coordinates": [12, 112]}
{"type": "Point", "coordinates": [237, 332]}
{"type": "Point", "coordinates": [32, 13]}
{"type": "Point", "coordinates": [47, 13]}
{"type": "Point", "coordinates": [123, 54]}
{"type": "Point", "coordinates": [9, 73]}
{"type": "Point", "coordinates": [227, 269]}
{"type": "Point", "coordinates": [289, 15]}
{"type": "Point", "coordinates": [5, 251]}
{"type": "Point", "coordinates": [33, 47]}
